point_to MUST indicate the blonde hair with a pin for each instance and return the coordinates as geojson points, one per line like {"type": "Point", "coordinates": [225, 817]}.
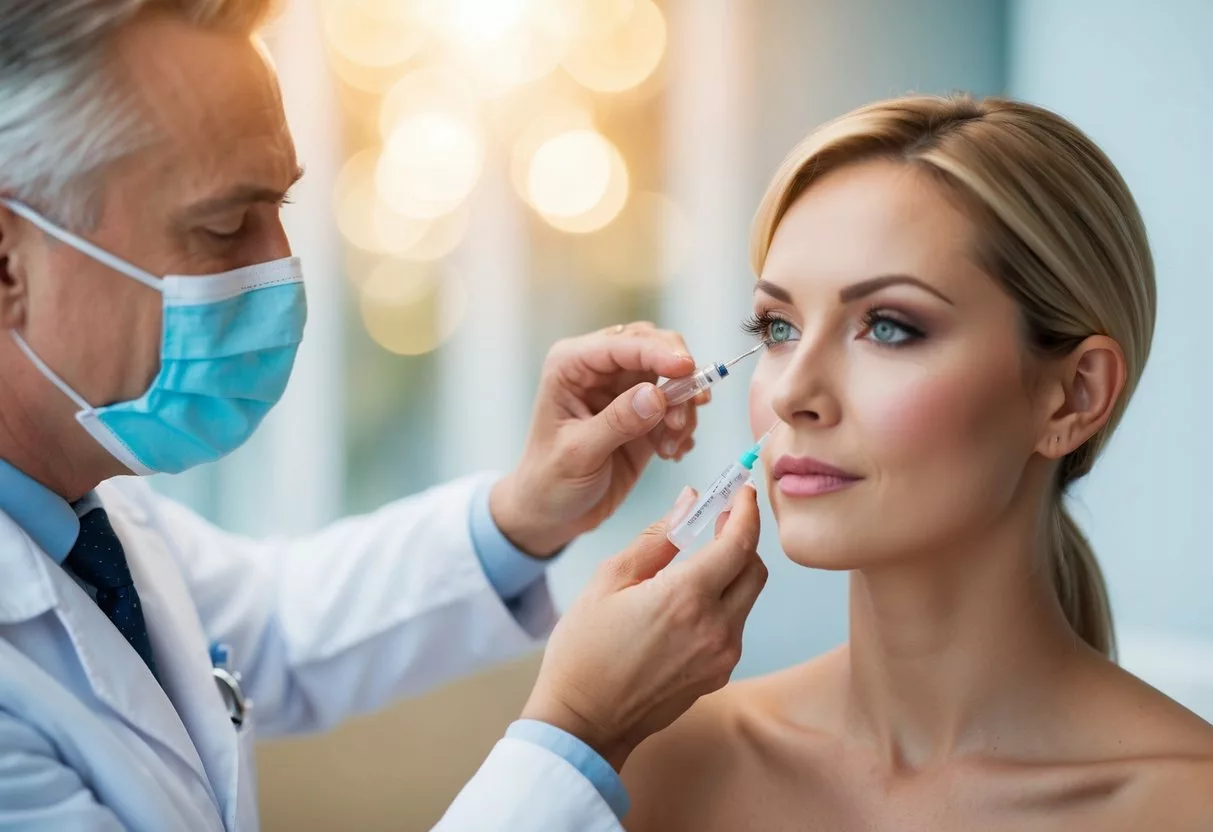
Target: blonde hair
{"type": "Point", "coordinates": [1056, 226]}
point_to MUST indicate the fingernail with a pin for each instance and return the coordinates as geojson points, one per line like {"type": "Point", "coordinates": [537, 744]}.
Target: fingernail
{"type": "Point", "coordinates": [678, 419]}
{"type": "Point", "coordinates": [645, 402]}
{"type": "Point", "coordinates": [685, 498]}
{"type": "Point", "coordinates": [669, 447]}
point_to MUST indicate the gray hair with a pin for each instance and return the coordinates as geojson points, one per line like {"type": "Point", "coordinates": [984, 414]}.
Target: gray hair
{"type": "Point", "coordinates": [63, 116]}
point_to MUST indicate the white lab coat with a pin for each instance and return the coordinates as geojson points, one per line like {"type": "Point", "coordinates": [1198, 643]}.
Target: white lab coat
{"type": "Point", "coordinates": [321, 627]}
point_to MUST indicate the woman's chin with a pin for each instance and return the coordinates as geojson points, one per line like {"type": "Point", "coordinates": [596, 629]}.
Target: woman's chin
{"type": "Point", "coordinates": [811, 542]}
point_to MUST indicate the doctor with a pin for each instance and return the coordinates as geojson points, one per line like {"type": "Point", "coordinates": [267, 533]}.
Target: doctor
{"type": "Point", "coordinates": [151, 312]}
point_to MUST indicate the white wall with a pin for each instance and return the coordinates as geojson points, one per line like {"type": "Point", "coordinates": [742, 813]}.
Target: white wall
{"type": "Point", "coordinates": [1138, 77]}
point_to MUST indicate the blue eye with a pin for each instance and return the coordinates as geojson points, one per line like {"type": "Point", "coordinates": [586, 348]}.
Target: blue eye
{"type": "Point", "coordinates": [887, 331]}
{"type": "Point", "coordinates": [780, 331]}
{"type": "Point", "coordinates": [770, 329]}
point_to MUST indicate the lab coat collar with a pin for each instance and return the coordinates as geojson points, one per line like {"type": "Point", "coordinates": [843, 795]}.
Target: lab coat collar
{"type": "Point", "coordinates": [32, 584]}
{"type": "Point", "coordinates": [26, 589]}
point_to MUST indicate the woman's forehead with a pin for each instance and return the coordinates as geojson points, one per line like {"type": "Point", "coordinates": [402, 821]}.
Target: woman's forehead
{"type": "Point", "coordinates": [869, 219]}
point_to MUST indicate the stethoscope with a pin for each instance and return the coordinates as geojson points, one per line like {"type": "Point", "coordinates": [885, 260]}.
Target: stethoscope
{"type": "Point", "coordinates": [228, 682]}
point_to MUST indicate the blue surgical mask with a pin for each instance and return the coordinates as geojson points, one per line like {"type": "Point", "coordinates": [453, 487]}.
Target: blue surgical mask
{"type": "Point", "coordinates": [226, 352]}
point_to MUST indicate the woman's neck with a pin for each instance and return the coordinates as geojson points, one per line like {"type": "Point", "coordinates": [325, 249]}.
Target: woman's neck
{"type": "Point", "coordinates": [951, 654]}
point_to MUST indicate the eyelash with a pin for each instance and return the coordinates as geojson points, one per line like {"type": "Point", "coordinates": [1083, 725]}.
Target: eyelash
{"type": "Point", "coordinates": [877, 315]}
{"type": "Point", "coordinates": [759, 326]}
{"type": "Point", "coordinates": [227, 238]}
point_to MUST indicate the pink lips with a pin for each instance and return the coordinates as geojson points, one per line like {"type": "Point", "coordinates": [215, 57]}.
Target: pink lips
{"type": "Point", "coordinates": [808, 477]}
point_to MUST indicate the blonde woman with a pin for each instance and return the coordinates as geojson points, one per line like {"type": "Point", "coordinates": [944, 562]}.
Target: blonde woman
{"type": "Point", "coordinates": [960, 300]}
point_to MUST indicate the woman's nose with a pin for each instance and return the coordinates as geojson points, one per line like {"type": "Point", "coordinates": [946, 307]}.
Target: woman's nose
{"type": "Point", "coordinates": [804, 392]}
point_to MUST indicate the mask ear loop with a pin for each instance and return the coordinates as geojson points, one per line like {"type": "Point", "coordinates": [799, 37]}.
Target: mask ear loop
{"type": "Point", "coordinates": [87, 414]}
{"type": "Point", "coordinates": [84, 246]}
{"type": "Point", "coordinates": [50, 374]}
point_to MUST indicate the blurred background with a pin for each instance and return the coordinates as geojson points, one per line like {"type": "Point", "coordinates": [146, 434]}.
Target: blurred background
{"type": "Point", "coordinates": [487, 176]}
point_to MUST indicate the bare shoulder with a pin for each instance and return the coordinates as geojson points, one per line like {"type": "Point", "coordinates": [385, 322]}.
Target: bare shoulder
{"type": "Point", "coordinates": [670, 777]}
{"type": "Point", "coordinates": [1164, 749]}
{"type": "Point", "coordinates": [1142, 721]}
{"type": "Point", "coordinates": [686, 776]}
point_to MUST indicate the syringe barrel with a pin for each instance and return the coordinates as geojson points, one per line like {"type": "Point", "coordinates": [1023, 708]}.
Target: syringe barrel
{"type": "Point", "coordinates": [680, 390]}
{"type": "Point", "coordinates": [714, 502]}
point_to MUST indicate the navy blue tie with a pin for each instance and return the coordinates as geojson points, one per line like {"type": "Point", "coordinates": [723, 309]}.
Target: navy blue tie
{"type": "Point", "coordinates": [98, 559]}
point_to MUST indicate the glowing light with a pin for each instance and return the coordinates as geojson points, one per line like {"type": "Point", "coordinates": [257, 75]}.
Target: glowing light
{"type": "Point", "coordinates": [502, 43]}
{"type": "Point", "coordinates": [575, 20]}
{"type": "Point", "coordinates": [364, 219]}
{"type": "Point", "coordinates": [429, 165]}
{"type": "Point", "coordinates": [569, 173]}
{"type": "Point", "coordinates": [578, 181]}
{"type": "Point", "coordinates": [618, 59]}
{"type": "Point", "coordinates": [410, 309]}
{"type": "Point", "coordinates": [372, 33]}
{"type": "Point", "coordinates": [442, 237]}
{"type": "Point", "coordinates": [533, 121]}
{"type": "Point", "coordinates": [504, 65]}
{"type": "Point", "coordinates": [648, 243]}
{"type": "Point", "coordinates": [428, 90]}
{"type": "Point", "coordinates": [480, 20]}
{"type": "Point", "coordinates": [375, 80]}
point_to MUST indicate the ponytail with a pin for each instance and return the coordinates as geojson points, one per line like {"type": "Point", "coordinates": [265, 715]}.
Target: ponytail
{"type": "Point", "coordinates": [1079, 582]}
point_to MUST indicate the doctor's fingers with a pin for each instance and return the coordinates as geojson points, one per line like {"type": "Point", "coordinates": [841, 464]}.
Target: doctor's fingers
{"type": "Point", "coordinates": [715, 567]}
{"type": "Point", "coordinates": [677, 432]}
{"type": "Point", "coordinates": [674, 442]}
{"type": "Point", "coordinates": [739, 598]}
{"type": "Point", "coordinates": [681, 419]}
{"type": "Point", "coordinates": [597, 360]}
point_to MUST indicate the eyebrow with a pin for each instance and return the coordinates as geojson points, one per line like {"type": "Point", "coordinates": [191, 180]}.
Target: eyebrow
{"type": "Point", "coordinates": [856, 290]}
{"type": "Point", "coordinates": [243, 195]}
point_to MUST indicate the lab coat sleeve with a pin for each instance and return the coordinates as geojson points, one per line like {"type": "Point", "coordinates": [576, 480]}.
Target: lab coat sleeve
{"type": "Point", "coordinates": [523, 787]}
{"type": "Point", "coordinates": [371, 608]}
{"type": "Point", "coordinates": [38, 791]}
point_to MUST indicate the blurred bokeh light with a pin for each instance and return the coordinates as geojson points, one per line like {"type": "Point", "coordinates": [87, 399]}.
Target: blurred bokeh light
{"type": "Point", "coordinates": [621, 57]}
{"type": "Point", "coordinates": [365, 220]}
{"type": "Point", "coordinates": [439, 95]}
{"type": "Point", "coordinates": [410, 308]}
{"type": "Point", "coordinates": [577, 181]}
{"type": "Point", "coordinates": [433, 89]}
{"type": "Point", "coordinates": [441, 236]}
{"type": "Point", "coordinates": [372, 33]}
{"type": "Point", "coordinates": [429, 165]}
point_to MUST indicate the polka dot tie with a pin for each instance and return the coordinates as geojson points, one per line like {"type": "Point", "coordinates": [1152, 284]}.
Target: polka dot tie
{"type": "Point", "coordinates": [98, 559]}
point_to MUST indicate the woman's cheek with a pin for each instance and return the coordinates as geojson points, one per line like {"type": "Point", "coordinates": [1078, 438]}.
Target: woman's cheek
{"type": "Point", "coordinates": [915, 415]}
{"type": "Point", "coordinates": [762, 415]}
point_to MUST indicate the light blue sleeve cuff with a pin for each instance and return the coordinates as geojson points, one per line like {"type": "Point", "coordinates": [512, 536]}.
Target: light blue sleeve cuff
{"type": "Point", "coordinates": [510, 570]}
{"type": "Point", "coordinates": [579, 755]}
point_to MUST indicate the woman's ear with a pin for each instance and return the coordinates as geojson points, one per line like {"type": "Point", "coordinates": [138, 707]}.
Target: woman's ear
{"type": "Point", "coordinates": [1091, 379]}
{"type": "Point", "coordinates": [14, 290]}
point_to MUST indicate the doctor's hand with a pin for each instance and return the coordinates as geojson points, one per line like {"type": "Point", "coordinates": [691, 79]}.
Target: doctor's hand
{"type": "Point", "coordinates": [646, 639]}
{"type": "Point", "coordinates": [597, 422]}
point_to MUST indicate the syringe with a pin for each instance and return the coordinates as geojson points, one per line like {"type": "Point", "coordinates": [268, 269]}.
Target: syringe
{"type": "Point", "coordinates": [679, 390]}
{"type": "Point", "coordinates": [718, 498]}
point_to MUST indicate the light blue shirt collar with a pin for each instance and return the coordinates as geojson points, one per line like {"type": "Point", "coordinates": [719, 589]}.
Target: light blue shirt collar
{"type": "Point", "coordinates": [41, 513]}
